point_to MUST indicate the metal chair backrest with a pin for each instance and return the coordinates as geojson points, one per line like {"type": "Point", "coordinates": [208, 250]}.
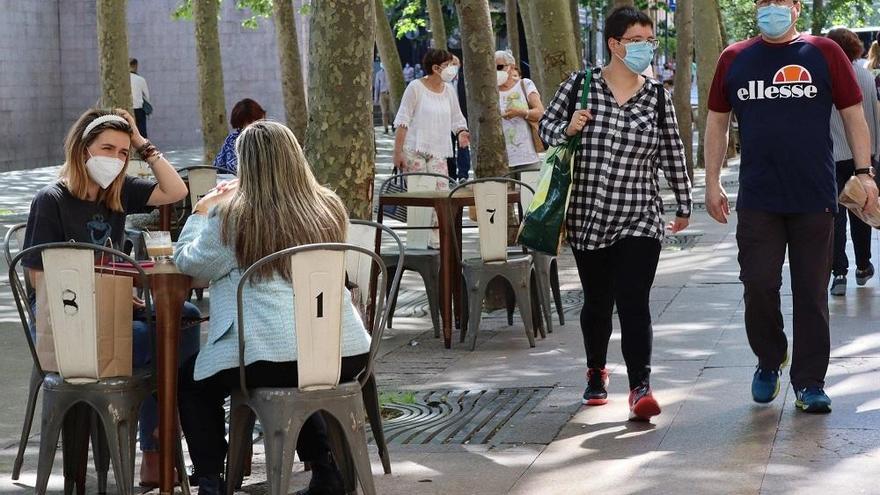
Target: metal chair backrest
{"type": "Point", "coordinates": [13, 241]}
{"type": "Point", "coordinates": [200, 180]}
{"type": "Point", "coordinates": [491, 203]}
{"type": "Point", "coordinates": [318, 283]}
{"type": "Point", "coordinates": [418, 219]}
{"type": "Point", "coordinates": [359, 269]}
{"type": "Point", "coordinates": [68, 276]}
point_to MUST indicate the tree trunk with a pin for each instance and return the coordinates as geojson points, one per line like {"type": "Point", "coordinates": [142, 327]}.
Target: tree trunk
{"type": "Point", "coordinates": [621, 3]}
{"type": "Point", "coordinates": [292, 84]}
{"type": "Point", "coordinates": [478, 48]}
{"type": "Point", "coordinates": [577, 31]}
{"type": "Point", "coordinates": [510, 12]}
{"type": "Point", "coordinates": [819, 17]}
{"type": "Point", "coordinates": [390, 57]}
{"type": "Point", "coordinates": [594, 33]}
{"type": "Point", "coordinates": [438, 27]}
{"type": "Point", "coordinates": [113, 54]}
{"type": "Point", "coordinates": [684, 23]}
{"type": "Point", "coordinates": [531, 45]}
{"type": "Point", "coordinates": [340, 135]}
{"type": "Point", "coordinates": [557, 57]}
{"type": "Point", "coordinates": [708, 50]}
{"type": "Point", "coordinates": [211, 99]}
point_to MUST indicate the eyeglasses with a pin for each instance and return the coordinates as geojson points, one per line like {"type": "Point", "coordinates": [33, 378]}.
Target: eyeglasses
{"type": "Point", "coordinates": [500, 66]}
{"type": "Point", "coordinates": [651, 41]}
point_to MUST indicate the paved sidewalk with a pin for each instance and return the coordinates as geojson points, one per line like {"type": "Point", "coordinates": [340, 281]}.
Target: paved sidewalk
{"type": "Point", "coordinates": [710, 439]}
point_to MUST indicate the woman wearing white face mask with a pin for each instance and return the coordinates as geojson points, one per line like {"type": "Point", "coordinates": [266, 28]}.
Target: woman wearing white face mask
{"type": "Point", "coordinates": [428, 113]}
{"type": "Point", "coordinates": [626, 135]}
{"type": "Point", "coordinates": [88, 203]}
{"type": "Point", "coordinates": [520, 105]}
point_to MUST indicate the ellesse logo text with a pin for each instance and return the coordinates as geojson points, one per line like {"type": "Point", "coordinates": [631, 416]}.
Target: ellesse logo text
{"type": "Point", "coordinates": [791, 81]}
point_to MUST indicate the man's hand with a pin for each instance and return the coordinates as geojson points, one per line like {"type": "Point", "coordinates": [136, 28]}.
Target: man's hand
{"type": "Point", "coordinates": [679, 224]}
{"type": "Point", "coordinates": [716, 202]}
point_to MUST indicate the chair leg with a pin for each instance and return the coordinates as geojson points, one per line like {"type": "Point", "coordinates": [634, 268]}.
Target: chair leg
{"type": "Point", "coordinates": [33, 392]}
{"type": "Point", "coordinates": [391, 299]}
{"type": "Point", "coordinates": [523, 299]}
{"type": "Point", "coordinates": [239, 422]}
{"type": "Point", "coordinates": [554, 285]}
{"type": "Point", "coordinates": [182, 476]}
{"type": "Point", "coordinates": [374, 414]}
{"type": "Point", "coordinates": [356, 440]}
{"type": "Point", "coordinates": [280, 432]}
{"type": "Point", "coordinates": [475, 306]}
{"type": "Point", "coordinates": [119, 419]}
{"type": "Point", "coordinates": [465, 309]}
{"type": "Point", "coordinates": [540, 298]}
{"type": "Point", "coordinates": [50, 429]}
{"type": "Point", "coordinates": [432, 290]}
{"type": "Point", "coordinates": [100, 452]}
{"type": "Point", "coordinates": [543, 290]}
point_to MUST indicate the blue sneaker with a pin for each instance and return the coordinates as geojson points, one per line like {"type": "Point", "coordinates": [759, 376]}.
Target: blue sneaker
{"type": "Point", "coordinates": [765, 384]}
{"type": "Point", "coordinates": [812, 400]}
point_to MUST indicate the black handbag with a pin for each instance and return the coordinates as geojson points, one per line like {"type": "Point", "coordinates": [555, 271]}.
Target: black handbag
{"type": "Point", "coordinates": [147, 108]}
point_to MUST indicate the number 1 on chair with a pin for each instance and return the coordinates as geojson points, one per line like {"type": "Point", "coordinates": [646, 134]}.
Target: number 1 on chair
{"type": "Point", "coordinates": [320, 299]}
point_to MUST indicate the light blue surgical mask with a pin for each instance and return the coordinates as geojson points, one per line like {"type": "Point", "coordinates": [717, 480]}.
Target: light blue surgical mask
{"type": "Point", "coordinates": [639, 55]}
{"type": "Point", "coordinates": [774, 20]}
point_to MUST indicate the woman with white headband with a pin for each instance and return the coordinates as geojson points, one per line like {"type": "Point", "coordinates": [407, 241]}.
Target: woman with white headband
{"type": "Point", "coordinates": [89, 202]}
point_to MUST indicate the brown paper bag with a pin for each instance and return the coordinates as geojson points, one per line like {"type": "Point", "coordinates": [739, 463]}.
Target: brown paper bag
{"type": "Point", "coordinates": [853, 198]}
{"type": "Point", "coordinates": [113, 315]}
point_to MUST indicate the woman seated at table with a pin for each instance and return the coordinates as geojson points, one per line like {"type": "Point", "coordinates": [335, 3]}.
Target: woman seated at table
{"type": "Point", "coordinates": [88, 203]}
{"type": "Point", "coordinates": [226, 234]}
{"type": "Point", "coordinates": [243, 113]}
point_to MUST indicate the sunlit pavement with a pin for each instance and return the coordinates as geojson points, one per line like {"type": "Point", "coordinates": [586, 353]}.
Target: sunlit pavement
{"type": "Point", "coordinates": [711, 438]}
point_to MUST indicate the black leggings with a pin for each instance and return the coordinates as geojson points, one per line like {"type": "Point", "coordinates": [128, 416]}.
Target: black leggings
{"type": "Point", "coordinates": [623, 274]}
{"type": "Point", "coordinates": [203, 419]}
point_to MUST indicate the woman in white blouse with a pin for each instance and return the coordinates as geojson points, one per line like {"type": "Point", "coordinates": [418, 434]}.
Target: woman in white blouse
{"type": "Point", "coordinates": [428, 113]}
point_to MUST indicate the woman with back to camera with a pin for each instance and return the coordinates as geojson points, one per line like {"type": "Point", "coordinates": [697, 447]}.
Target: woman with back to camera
{"type": "Point", "coordinates": [88, 203]}
{"type": "Point", "coordinates": [226, 234]}
{"type": "Point", "coordinates": [627, 134]}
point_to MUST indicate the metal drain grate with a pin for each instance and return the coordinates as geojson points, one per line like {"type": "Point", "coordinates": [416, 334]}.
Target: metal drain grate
{"type": "Point", "coordinates": [459, 416]}
{"type": "Point", "coordinates": [681, 240]}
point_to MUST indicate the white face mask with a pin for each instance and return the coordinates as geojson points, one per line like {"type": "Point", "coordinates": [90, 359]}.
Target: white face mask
{"type": "Point", "coordinates": [502, 76]}
{"type": "Point", "coordinates": [103, 169]}
{"type": "Point", "coordinates": [449, 73]}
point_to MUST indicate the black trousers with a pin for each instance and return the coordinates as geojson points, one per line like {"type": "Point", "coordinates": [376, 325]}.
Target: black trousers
{"type": "Point", "coordinates": [762, 238]}
{"type": "Point", "coordinates": [623, 274]}
{"type": "Point", "coordinates": [203, 419]}
{"type": "Point", "coordinates": [859, 230]}
{"type": "Point", "coordinates": [140, 119]}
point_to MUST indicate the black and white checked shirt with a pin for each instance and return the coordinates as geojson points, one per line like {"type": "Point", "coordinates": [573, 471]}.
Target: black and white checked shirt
{"type": "Point", "coordinates": [615, 184]}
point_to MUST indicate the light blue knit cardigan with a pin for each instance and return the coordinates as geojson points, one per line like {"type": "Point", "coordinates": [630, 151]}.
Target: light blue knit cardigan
{"type": "Point", "coordinates": [270, 333]}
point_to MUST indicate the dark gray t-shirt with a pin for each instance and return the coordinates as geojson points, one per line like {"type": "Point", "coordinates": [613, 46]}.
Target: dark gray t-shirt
{"type": "Point", "coordinates": [57, 216]}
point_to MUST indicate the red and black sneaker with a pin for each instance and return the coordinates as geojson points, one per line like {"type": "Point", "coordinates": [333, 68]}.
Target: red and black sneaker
{"type": "Point", "coordinates": [642, 404]}
{"type": "Point", "coordinates": [596, 393]}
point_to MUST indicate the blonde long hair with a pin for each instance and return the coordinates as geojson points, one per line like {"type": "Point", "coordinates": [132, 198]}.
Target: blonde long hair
{"type": "Point", "coordinates": [874, 55]}
{"type": "Point", "coordinates": [74, 174]}
{"type": "Point", "coordinates": [279, 203]}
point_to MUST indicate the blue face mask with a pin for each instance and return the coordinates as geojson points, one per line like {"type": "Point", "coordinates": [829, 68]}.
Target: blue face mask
{"type": "Point", "coordinates": [639, 55]}
{"type": "Point", "coordinates": [774, 20]}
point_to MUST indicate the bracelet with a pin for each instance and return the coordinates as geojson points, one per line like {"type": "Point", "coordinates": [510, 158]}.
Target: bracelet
{"type": "Point", "coordinates": [158, 156]}
{"type": "Point", "coordinates": [460, 131]}
{"type": "Point", "coordinates": [681, 214]}
{"type": "Point", "coordinates": [144, 146]}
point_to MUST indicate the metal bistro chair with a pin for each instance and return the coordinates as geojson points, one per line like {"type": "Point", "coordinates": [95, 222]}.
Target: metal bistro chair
{"type": "Point", "coordinates": [417, 257]}
{"type": "Point", "coordinates": [546, 265]}
{"type": "Point", "coordinates": [115, 401]}
{"type": "Point", "coordinates": [368, 235]}
{"type": "Point", "coordinates": [318, 279]}
{"type": "Point", "coordinates": [491, 203]}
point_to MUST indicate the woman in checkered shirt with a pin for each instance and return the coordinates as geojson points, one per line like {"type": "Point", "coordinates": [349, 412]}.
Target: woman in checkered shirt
{"type": "Point", "coordinates": [627, 135]}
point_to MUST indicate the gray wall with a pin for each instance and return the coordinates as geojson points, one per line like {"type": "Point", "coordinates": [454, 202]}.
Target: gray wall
{"type": "Point", "coordinates": [39, 101]}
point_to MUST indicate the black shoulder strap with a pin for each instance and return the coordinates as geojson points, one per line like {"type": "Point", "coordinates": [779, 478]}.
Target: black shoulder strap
{"type": "Point", "coordinates": [661, 106]}
{"type": "Point", "coordinates": [572, 97]}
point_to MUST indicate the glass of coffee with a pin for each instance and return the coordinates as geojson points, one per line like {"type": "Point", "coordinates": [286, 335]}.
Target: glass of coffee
{"type": "Point", "coordinates": [159, 246]}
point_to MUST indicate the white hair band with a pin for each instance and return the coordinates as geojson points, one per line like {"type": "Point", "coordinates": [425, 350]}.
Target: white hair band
{"type": "Point", "coordinates": [100, 120]}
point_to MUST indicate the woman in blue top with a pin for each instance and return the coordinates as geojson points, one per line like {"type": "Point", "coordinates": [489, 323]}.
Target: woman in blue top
{"type": "Point", "coordinates": [243, 113]}
{"type": "Point", "coordinates": [226, 234]}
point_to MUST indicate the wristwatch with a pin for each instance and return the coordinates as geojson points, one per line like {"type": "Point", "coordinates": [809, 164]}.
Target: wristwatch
{"type": "Point", "coordinates": [869, 171]}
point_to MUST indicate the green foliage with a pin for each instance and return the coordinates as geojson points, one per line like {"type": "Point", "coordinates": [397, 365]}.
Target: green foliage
{"type": "Point", "coordinates": [260, 9]}
{"type": "Point", "coordinates": [739, 16]}
{"type": "Point", "coordinates": [397, 398]}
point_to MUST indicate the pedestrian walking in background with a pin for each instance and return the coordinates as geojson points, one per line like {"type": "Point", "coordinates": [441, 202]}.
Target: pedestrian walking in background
{"type": "Point", "coordinates": [428, 113]}
{"type": "Point", "coordinates": [408, 73]}
{"type": "Point", "coordinates": [782, 85]}
{"type": "Point", "coordinates": [244, 113]}
{"type": "Point", "coordinates": [843, 159]}
{"type": "Point", "coordinates": [520, 105]}
{"type": "Point", "coordinates": [627, 134]}
{"type": "Point", "coordinates": [140, 97]}
{"type": "Point", "coordinates": [382, 95]}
